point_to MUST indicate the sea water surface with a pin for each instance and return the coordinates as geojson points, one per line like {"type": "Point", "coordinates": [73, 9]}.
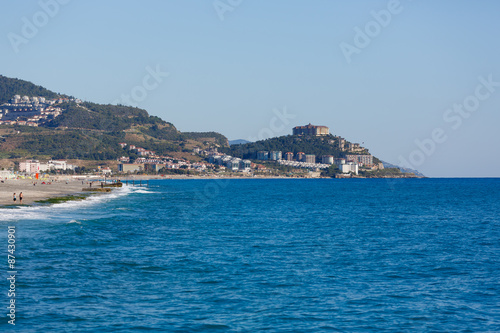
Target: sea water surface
{"type": "Point", "coordinates": [326, 255]}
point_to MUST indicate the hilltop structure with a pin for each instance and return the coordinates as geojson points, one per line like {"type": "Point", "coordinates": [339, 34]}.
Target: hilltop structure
{"type": "Point", "coordinates": [311, 130]}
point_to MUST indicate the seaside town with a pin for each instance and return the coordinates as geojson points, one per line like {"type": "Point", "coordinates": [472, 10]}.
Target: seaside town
{"type": "Point", "coordinates": [250, 166]}
{"type": "Point", "coordinates": [354, 159]}
{"type": "Point", "coordinates": [31, 111]}
{"type": "Point", "coordinates": [348, 165]}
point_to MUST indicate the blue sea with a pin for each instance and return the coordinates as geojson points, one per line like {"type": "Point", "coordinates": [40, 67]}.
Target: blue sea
{"type": "Point", "coordinates": [283, 255]}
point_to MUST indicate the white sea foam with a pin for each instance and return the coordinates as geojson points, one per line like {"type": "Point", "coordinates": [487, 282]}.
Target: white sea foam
{"type": "Point", "coordinates": [139, 189]}
{"type": "Point", "coordinates": [144, 191]}
{"type": "Point", "coordinates": [23, 213]}
{"type": "Point", "coordinates": [93, 199]}
{"type": "Point", "coordinates": [55, 210]}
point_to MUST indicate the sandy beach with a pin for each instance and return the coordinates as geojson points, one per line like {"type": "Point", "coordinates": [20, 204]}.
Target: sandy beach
{"type": "Point", "coordinates": [52, 188]}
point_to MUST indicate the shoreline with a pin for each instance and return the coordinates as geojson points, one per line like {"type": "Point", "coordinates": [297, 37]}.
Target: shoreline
{"type": "Point", "coordinates": [125, 179]}
{"type": "Point", "coordinates": [55, 188]}
{"type": "Point", "coordinates": [63, 188]}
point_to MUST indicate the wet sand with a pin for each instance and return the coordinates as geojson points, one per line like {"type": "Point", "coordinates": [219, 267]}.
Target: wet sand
{"type": "Point", "coordinates": [57, 188]}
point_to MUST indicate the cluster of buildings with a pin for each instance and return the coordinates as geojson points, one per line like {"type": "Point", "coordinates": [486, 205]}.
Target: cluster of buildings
{"type": "Point", "coordinates": [269, 156]}
{"type": "Point", "coordinates": [347, 164]}
{"type": "Point", "coordinates": [140, 151]}
{"type": "Point", "coordinates": [154, 165]}
{"type": "Point", "coordinates": [230, 163]}
{"type": "Point", "coordinates": [303, 165]}
{"type": "Point", "coordinates": [31, 111]}
{"type": "Point", "coordinates": [362, 160]}
{"type": "Point", "coordinates": [278, 156]}
{"type": "Point", "coordinates": [343, 145]}
{"type": "Point", "coordinates": [34, 166]}
{"type": "Point", "coordinates": [327, 160]}
{"type": "Point", "coordinates": [151, 162]}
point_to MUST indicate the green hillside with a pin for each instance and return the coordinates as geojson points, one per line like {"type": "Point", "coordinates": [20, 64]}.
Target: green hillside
{"type": "Point", "coordinates": [10, 87]}
{"type": "Point", "coordinates": [93, 131]}
{"type": "Point", "coordinates": [218, 138]}
{"type": "Point", "coordinates": [101, 117]}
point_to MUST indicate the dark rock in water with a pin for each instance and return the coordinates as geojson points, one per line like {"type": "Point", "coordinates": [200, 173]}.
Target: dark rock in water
{"type": "Point", "coordinates": [89, 189]}
{"type": "Point", "coordinates": [119, 184]}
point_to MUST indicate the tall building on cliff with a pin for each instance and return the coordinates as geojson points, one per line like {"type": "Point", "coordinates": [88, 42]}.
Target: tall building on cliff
{"type": "Point", "coordinates": [311, 130]}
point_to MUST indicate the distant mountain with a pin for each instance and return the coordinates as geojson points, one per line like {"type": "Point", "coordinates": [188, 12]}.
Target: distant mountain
{"type": "Point", "coordinates": [403, 170]}
{"type": "Point", "coordinates": [238, 142]}
{"type": "Point", "coordinates": [92, 131]}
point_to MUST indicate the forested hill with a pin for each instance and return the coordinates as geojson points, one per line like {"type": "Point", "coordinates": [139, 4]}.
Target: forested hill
{"type": "Point", "coordinates": [92, 131]}
{"type": "Point", "coordinates": [10, 87]}
{"type": "Point", "coordinates": [108, 118]}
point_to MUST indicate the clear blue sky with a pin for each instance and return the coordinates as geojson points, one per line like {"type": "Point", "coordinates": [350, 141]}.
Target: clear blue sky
{"type": "Point", "coordinates": [232, 75]}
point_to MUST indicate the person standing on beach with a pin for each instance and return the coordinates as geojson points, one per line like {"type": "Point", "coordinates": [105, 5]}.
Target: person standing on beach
{"type": "Point", "coordinates": [21, 198]}
{"type": "Point", "coordinates": [14, 197]}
